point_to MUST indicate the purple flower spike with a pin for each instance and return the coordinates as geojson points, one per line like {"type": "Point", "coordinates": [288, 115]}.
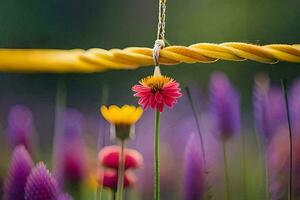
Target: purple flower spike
{"type": "Point", "coordinates": [41, 185]}
{"type": "Point", "coordinates": [296, 168]}
{"type": "Point", "coordinates": [20, 125]}
{"type": "Point", "coordinates": [294, 100]}
{"type": "Point", "coordinates": [278, 163]}
{"type": "Point", "coordinates": [65, 197]}
{"type": "Point", "coordinates": [20, 168]}
{"type": "Point", "coordinates": [193, 170]}
{"type": "Point", "coordinates": [73, 122]}
{"type": "Point", "coordinates": [269, 109]}
{"type": "Point", "coordinates": [224, 106]}
{"type": "Point", "coordinates": [70, 155]}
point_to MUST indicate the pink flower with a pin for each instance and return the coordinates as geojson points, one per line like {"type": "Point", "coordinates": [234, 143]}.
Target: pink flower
{"type": "Point", "coordinates": [109, 161]}
{"type": "Point", "coordinates": [109, 157]}
{"type": "Point", "coordinates": [109, 178]}
{"type": "Point", "coordinates": [157, 91]}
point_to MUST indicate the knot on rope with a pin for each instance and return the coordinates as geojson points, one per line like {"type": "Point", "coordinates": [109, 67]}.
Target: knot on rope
{"type": "Point", "coordinates": [158, 45]}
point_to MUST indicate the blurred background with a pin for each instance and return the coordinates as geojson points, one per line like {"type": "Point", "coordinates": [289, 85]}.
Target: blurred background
{"type": "Point", "coordinates": [66, 24]}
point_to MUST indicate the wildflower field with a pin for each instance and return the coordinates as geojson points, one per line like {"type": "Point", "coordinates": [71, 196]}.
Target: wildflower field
{"type": "Point", "coordinates": [96, 124]}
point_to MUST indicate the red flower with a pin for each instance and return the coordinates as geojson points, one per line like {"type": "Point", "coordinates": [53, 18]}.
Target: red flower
{"type": "Point", "coordinates": [109, 178]}
{"type": "Point", "coordinates": [157, 91]}
{"type": "Point", "coordinates": [109, 157]}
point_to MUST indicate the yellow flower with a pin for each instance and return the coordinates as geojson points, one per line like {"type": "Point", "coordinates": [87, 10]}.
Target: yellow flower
{"type": "Point", "coordinates": [125, 115]}
{"type": "Point", "coordinates": [122, 120]}
{"type": "Point", "coordinates": [92, 180]}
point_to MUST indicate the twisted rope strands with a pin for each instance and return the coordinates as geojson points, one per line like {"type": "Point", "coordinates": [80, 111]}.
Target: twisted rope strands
{"type": "Point", "coordinates": [161, 20]}
{"type": "Point", "coordinates": [98, 60]}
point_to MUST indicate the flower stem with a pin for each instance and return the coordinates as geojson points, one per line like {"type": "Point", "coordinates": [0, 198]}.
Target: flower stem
{"type": "Point", "coordinates": [267, 192]}
{"type": "Point", "coordinates": [114, 195]}
{"type": "Point", "coordinates": [244, 161]}
{"type": "Point", "coordinates": [121, 172]}
{"type": "Point", "coordinates": [60, 106]}
{"type": "Point", "coordinates": [262, 159]}
{"type": "Point", "coordinates": [208, 187]}
{"type": "Point", "coordinates": [98, 195]}
{"type": "Point", "coordinates": [197, 123]}
{"type": "Point", "coordinates": [156, 156]}
{"type": "Point", "coordinates": [226, 176]}
{"type": "Point", "coordinates": [290, 187]}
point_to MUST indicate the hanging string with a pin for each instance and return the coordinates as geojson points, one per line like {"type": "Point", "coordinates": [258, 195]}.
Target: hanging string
{"type": "Point", "coordinates": [161, 20]}
{"type": "Point", "coordinates": [159, 43]}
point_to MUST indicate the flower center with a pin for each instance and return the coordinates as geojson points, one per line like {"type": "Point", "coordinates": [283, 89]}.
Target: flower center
{"type": "Point", "coordinates": [155, 82]}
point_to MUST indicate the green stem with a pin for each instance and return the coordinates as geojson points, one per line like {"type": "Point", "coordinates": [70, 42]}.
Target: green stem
{"type": "Point", "coordinates": [262, 160]}
{"type": "Point", "coordinates": [60, 106]}
{"type": "Point", "coordinates": [98, 194]}
{"type": "Point", "coordinates": [156, 156]}
{"type": "Point", "coordinates": [73, 188]}
{"type": "Point", "coordinates": [226, 175]}
{"type": "Point", "coordinates": [208, 187]}
{"type": "Point", "coordinates": [266, 175]}
{"type": "Point", "coordinates": [197, 123]}
{"type": "Point", "coordinates": [244, 166]}
{"type": "Point", "coordinates": [114, 195]}
{"type": "Point", "coordinates": [290, 187]}
{"type": "Point", "coordinates": [121, 172]}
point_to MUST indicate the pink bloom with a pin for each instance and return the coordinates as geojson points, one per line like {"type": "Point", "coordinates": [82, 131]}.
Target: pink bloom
{"type": "Point", "coordinates": [157, 91]}
{"type": "Point", "coordinates": [109, 157]}
{"type": "Point", "coordinates": [109, 179]}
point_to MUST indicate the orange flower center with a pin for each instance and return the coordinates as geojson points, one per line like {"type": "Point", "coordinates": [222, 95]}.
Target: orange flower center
{"type": "Point", "coordinates": [155, 82]}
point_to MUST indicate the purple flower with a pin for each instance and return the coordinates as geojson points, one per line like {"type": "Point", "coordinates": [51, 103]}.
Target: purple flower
{"type": "Point", "coordinates": [70, 162]}
{"type": "Point", "coordinates": [65, 197]}
{"type": "Point", "coordinates": [20, 125]}
{"type": "Point", "coordinates": [41, 185]}
{"type": "Point", "coordinates": [224, 106]}
{"type": "Point", "coordinates": [294, 100]}
{"type": "Point", "coordinates": [193, 170]}
{"type": "Point", "coordinates": [73, 121]}
{"type": "Point", "coordinates": [296, 168]}
{"type": "Point", "coordinates": [278, 163]}
{"type": "Point", "coordinates": [20, 168]}
{"type": "Point", "coordinates": [278, 160]}
{"type": "Point", "coordinates": [269, 109]}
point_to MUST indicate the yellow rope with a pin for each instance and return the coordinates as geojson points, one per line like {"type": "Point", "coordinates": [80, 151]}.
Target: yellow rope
{"type": "Point", "coordinates": [97, 60]}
